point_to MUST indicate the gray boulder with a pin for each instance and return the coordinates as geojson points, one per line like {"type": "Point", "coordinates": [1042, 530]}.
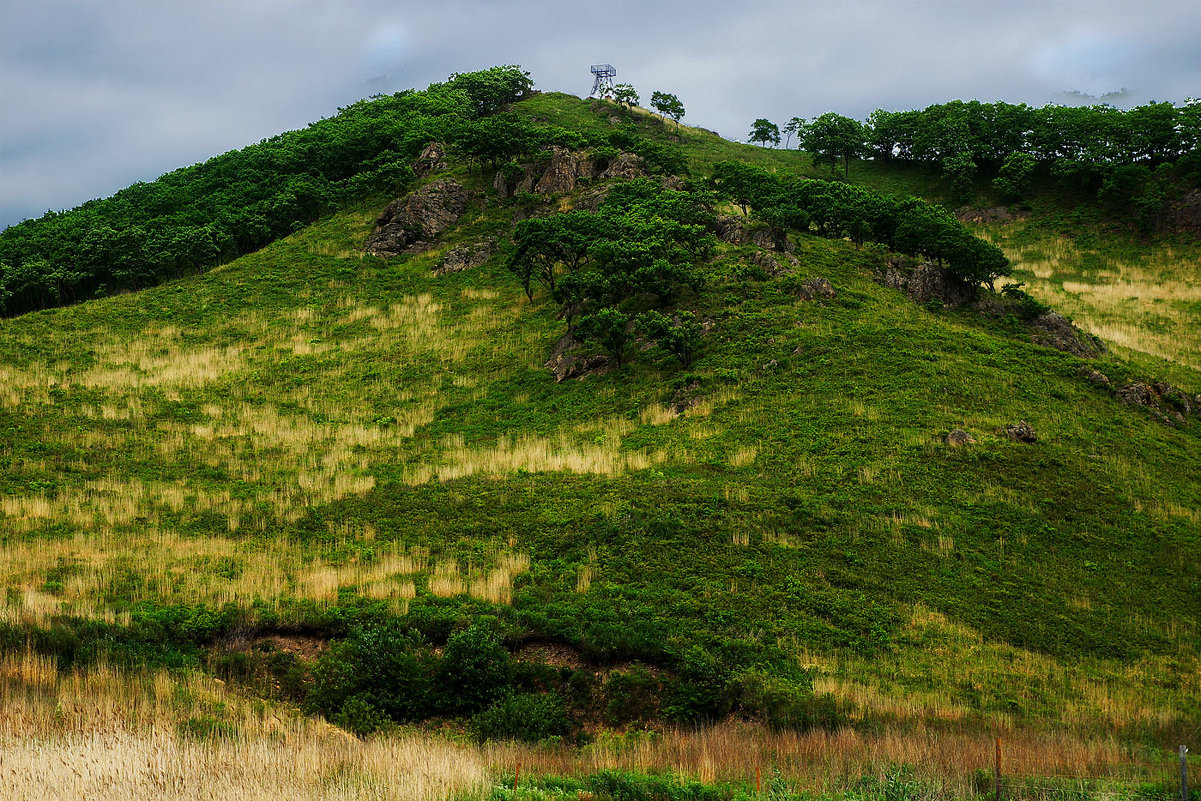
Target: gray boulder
{"type": "Point", "coordinates": [408, 224]}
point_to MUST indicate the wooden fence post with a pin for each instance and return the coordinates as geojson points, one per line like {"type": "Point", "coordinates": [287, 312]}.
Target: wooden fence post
{"type": "Point", "coordinates": [997, 771]}
{"type": "Point", "coordinates": [759, 780]}
{"type": "Point", "coordinates": [1183, 773]}
{"type": "Point", "coordinates": [516, 775]}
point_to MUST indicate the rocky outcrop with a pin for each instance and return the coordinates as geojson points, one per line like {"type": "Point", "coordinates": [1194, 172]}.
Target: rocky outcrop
{"type": "Point", "coordinates": [563, 172]}
{"type": "Point", "coordinates": [466, 257]}
{"type": "Point", "coordinates": [432, 159]}
{"type": "Point", "coordinates": [999, 214]}
{"type": "Point", "coordinates": [1053, 330]}
{"type": "Point", "coordinates": [958, 437]}
{"type": "Point", "coordinates": [772, 265]}
{"type": "Point", "coordinates": [566, 364]}
{"type": "Point", "coordinates": [729, 229]}
{"type": "Point", "coordinates": [410, 223]}
{"type": "Point", "coordinates": [1167, 403]}
{"type": "Point", "coordinates": [626, 166]}
{"type": "Point", "coordinates": [923, 282]}
{"type": "Point", "coordinates": [1020, 431]}
{"type": "Point", "coordinates": [817, 289]}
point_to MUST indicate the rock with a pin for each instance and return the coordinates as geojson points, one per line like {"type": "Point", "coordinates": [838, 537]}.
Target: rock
{"type": "Point", "coordinates": [626, 166]}
{"type": "Point", "coordinates": [1166, 402]}
{"type": "Point", "coordinates": [769, 239]}
{"type": "Point", "coordinates": [997, 214]}
{"type": "Point", "coordinates": [772, 365]}
{"type": "Point", "coordinates": [1097, 378]}
{"type": "Point", "coordinates": [923, 282]}
{"type": "Point", "coordinates": [685, 398]}
{"type": "Point", "coordinates": [432, 159]}
{"type": "Point", "coordinates": [767, 263]}
{"type": "Point", "coordinates": [728, 229]}
{"type": "Point", "coordinates": [1020, 432]}
{"type": "Point", "coordinates": [1053, 330]}
{"type": "Point", "coordinates": [465, 257]}
{"type": "Point", "coordinates": [614, 122]}
{"type": "Point", "coordinates": [501, 184]}
{"type": "Point", "coordinates": [675, 183]}
{"type": "Point", "coordinates": [817, 288]}
{"type": "Point", "coordinates": [561, 173]}
{"type": "Point", "coordinates": [959, 437]}
{"type": "Point", "coordinates": [565, 364]}
{"type": "Point", "coordinates": [417, 218]}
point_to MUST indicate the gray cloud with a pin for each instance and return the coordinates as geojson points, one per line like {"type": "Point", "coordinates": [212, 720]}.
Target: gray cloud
{"type": "Point", "coordinates": [94, 96]}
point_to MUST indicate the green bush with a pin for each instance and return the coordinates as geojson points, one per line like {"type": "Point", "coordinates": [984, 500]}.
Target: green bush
{"type": "Point", "coordinates": [359, 716]}
{"type": "Point", "coordinates": [475, 670]}
{"type": "Point", "coordinates": [529, 717]}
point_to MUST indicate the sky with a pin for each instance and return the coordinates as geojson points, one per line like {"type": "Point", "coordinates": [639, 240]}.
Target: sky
{"type": "Point", "coordinates": [97, 95]}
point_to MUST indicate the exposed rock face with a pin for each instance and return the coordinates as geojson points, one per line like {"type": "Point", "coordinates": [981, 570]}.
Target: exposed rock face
{"type": "Point", "coordinates": [432, 159]}
{"type": "Point", "coordinates": [1053, 330]}
{"type": "Point", "coordinates": [1166, 402]}
{"type": "Point", "coordinates": [562, 173]}
{"type": "Point", "coordinates": [771, 265]}
{"type": "Point", "coordinates": [769, 239]}
{"type": "Point", "coordinates": [728, 229]}
{"type": "Point", "coordinates": [1097, 378]}
{"type": "Point", "coordinates": [923, 281]}
{"type": "Point", "coordinates": [1020, 432]}
{"type": "Point", "coordinates": [465, 257]}
{"type": "Point", "coordinates": [1185, 215]}
{"type": "Point", "coordinates": [959, 437]}
{"type": "Point", "coordinates": [998, 214]}
{"type": "Point", "coordinates": [410, 222]}
{"type": "Point", "coordinates": [565, 364]}
{"type": "Point", "coordinates": [627, 166]}
{"type": "Point", "coordinates": [816, 288]}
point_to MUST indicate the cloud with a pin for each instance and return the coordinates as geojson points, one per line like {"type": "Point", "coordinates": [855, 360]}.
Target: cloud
{"type": "Point", "coordinates": [97, 95]}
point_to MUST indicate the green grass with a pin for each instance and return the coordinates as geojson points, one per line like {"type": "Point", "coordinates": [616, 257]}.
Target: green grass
{"type": "Point", "coordinates": [313, 429]}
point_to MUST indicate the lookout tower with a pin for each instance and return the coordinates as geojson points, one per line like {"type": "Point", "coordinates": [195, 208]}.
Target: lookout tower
{"type": "Point", "coordinates": [603, 74]}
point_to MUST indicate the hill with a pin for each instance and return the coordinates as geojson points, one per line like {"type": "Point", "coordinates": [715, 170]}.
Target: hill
{"type": "Point", "coordinates": [225, 472]}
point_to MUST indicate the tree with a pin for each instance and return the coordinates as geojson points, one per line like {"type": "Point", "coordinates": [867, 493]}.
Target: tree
{"type": "Point", "coordinates": [831, 137]}
{"type": "Point", "coordinates": [764, 131]}
{"type": "Point", "coordinates": [668, 105]}
{"type": "Point", "coordinates": [794, 126]}
{"type": "Point", "coordinates": [681, 336]}
{"type": "Point", "coordinates": [1013, 179]}
{"type": "Point", "coordinates": [610, 329]}
{"type": "Point", "coordinates": [625, 94]}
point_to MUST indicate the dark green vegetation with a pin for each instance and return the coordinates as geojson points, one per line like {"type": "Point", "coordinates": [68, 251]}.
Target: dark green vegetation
{"type": "Point", "coordinates": [769, 482]}
{"type": "Point", "coordinates": [1135, 162]}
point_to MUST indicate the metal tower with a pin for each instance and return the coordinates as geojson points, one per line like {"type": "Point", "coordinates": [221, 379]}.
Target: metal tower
{"type": "Point", "coordinates": [603, 84]}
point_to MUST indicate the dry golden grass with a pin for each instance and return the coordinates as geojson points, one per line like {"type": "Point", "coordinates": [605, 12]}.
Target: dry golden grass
{"type": "Point", "coordinates": [1108, 696]}
{"type": "Point", "coordinates": [105, 735]}
{"type": "Point", "coordinates": [1144, 306]}
{"type": "Point", "coordinates": [213, 570]}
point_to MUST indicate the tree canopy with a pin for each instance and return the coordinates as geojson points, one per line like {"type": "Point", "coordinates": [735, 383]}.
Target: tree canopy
{"type": "Point", "coordinates": [764, 131]}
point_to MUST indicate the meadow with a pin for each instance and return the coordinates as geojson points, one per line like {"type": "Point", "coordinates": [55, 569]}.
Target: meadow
{"type": "Point", "coordinates": [307, 438]}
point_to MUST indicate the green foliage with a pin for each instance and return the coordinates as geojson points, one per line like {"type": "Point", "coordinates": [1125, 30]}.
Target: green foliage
{"type": "Point", "coordinates": [195, 218]}
{"type": "Point", "coordinates": [679, 335]}
{"type": "Point", "coordinates": [625, 94]}
{"type": "Point", "coordinates": [764, 132]}
{"type": "Point", "coordinates": [475, 670]}
{"type": "Point", "coordinates": [831, 137]}
{"type": "Point", "coordinates": [610, 329]}
{"type": "Point", "coordinates": [207, 727]}
{"type": "Point", "coordinates": [668, 105]}
{"type": "Point", "coordinates": [529, 717]}
{"type": "Point", "coordinates": [785, 702]}
{"type": "Point", "coordinates": [379, 669]}
{"type": "Point", "coordinates": [837, 210]}
{"type": "Point", "coordinates": [1016, 173]}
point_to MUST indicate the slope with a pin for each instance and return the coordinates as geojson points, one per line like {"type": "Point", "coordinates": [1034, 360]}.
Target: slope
{"type": "Point", "coordinates": [307, 438]}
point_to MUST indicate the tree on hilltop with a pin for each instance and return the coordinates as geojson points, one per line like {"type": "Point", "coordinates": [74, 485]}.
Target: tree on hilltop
{"type": "Point", "coordinates": [794, 126]}
{"type": "Point", "coordinates": [668, 105]}
{"type": "Point", "coordinates": [625, 94]}
{"type": "Point", "coordinates": [831, 137]}
{"type": "Point", "coordinates": [764, 131]}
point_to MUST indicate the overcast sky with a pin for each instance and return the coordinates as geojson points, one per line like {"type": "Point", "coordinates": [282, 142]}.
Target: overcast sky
{"type": "Point", "coordinates": [96, 95]}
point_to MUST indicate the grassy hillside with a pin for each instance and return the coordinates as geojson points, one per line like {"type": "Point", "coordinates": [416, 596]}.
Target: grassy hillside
{"type": "Point", "coordinates": [307, 438]}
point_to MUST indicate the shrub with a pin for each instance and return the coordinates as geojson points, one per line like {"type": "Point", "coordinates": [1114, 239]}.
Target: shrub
{"type": "Point", "coordinates": [530, 717]}
{"type": "Point", "coordinates": [475, 670]}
